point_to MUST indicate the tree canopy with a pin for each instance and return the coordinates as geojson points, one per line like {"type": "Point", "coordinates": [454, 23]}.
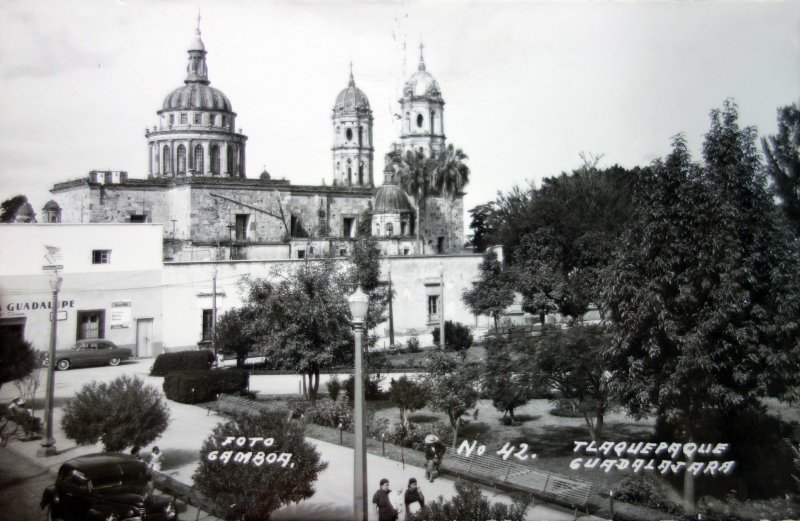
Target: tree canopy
{"type": "Point", "coordinates": [493, 292]}
{"type": "Point", "coordinates": [452, 384]}
{"type": "Point", "coordinates": [782, 153]}
{"type": "Point", "coordinates": [17, 357]}
{"type": "Point", "coordinates": [10, 207]}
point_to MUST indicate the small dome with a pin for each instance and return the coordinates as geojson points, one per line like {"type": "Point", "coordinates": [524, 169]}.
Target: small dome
{"type": "Point", "coordinates": [265, 175]}
{"type": "Point", "coordinates": [51, 205]}
{"type": "Point", "coordinates": [351, 99]}
{"type": "Point", "coordinates": [390, 198]}
{"type": "Point", "coordinates": [197, 96]}
{"type": "Point", "coordinates": [422, 83]}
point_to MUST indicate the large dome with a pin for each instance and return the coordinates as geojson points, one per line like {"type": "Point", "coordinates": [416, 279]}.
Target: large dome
{"type": "Point", "coordinates": [197, 96]}
{"type": "Point", "coordinates": [390, 198]}
{"type": "Point", "coordinates": [351, 98]}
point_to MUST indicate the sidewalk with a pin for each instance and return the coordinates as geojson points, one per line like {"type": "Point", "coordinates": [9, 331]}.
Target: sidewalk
{"type": "Point", "coordinates": [190, 426]}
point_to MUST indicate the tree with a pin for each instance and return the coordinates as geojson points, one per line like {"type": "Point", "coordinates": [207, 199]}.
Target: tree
{"type": "Point", "coordinates": [408, 395]}
{"type": "Point", "coordinates": [558, 238]}
{"type": "Point", "coordinates": [452, 387]}
{"type": "Point", "coordinates": [452, 175]}
{"type": "Point", "coordinates": [492, 293]}
{"type": "Point", "coordinates": [122, 413]}
{"type": "Point", "coordinates": [301, 319]}
{"type": "Point", "coordinates": [10, 207]}
{"type": "Point", "coordinates": [704, 288]}
{"type": "Point", "coordinates": [782, 152]}
{"type": "Point", "coordinates": [570, 361]}
{"type": "Point", "coordinates": [415, 174]}
{"type": "Point", "coordinates": [509, 379]}
{"type": "Point", "coordinates": [17, 357]}
{"type": "Point", "coordinates": [232, 477]}
{"type": "Point", "coordinates": [481, 226]}
{"type": "Point", "coordinates": [458, 337]}
{"type": "Point", "coordinates": [231, 334]}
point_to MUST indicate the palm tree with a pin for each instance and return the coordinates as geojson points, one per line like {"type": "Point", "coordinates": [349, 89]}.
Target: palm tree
{"type": "Point", "coordinates": [415, 174]}
{"type": "Point", "coordinates": [452, 175]}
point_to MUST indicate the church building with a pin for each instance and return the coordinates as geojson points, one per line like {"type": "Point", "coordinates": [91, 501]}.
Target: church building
{"type": "Point", "coordinates": [197, 186]}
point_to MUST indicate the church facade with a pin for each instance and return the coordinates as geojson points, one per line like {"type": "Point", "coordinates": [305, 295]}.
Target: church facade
{"type": "Point", "coordinates": [198, 190]}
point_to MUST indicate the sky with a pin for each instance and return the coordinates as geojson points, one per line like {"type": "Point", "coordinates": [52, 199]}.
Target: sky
{"type": "Point", "coordinates": [528, 85]}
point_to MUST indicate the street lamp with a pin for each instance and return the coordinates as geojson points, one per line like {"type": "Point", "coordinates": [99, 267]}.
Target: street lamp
{"type": "Point", "coordinates": [441, 306]}
{"type": "Point", "coordinates": [48, 447]}
{"type": "Point", "coordinates": [359, 302]}
{"type": "Point", "coordinates": [214, 313]}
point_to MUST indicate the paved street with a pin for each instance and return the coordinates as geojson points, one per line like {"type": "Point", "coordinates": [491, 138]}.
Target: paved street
{"type": "Point", "coordinates": [189, 426]}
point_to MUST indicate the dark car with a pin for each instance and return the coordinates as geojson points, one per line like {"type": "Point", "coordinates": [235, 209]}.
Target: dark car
{"type": "Point", "coordinates": [106, 487]}
{"type": "Point", "coordinates": [94, 351]}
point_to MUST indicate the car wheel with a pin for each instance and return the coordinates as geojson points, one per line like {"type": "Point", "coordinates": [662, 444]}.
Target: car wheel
{"type": "Point", "coordinates": [113, 361]}
{"type": "Point", "coordinates": [62, 364]}
{"type": "Point", "coordinates": [52, 516]}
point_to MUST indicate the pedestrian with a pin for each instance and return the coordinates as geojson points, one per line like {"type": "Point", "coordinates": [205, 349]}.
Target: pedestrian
{"type": "Point", "coordinates": [434, 451]}
{"type": "Point", "coordinates": [154, 460]}
{"type": "Point", "coordinates": [414, 501]}
{"type": "Point", "coordinates": [383, 502]}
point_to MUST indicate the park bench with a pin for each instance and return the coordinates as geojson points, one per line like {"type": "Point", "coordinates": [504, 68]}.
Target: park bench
{"type": "Point", "coordinates": [228, 404]}
{"type": "Point", "coordinates": [181, 491]}
{"type": "Point", "coordinates": [493, 471]}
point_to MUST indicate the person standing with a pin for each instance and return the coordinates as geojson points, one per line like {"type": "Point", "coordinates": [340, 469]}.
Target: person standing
{"type": "Point", "coordinates": [154, 460]}
{"type": "Point", "coordinates": [414, 501]}
{"type": "Point", "coordinates": [383, 502]}
{"type": "Point", "coordinates": [434, 450]}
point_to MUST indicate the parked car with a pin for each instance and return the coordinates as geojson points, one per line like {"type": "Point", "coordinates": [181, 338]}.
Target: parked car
{"type": "Point", "coordinates": [94, 351]}
{"type": "Point", "coordinates": [99, 487]}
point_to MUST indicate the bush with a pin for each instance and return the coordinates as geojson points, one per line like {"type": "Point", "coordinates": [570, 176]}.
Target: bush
{"type": "Point", "coordinates": [372, 390]}
{"type": "Point", "coordinates": [331, 413]}
{"type": "Point", "coordinates": [334, 387]}
{"type": "Point", "coordinates": [249, 491]}
{"type": "Point", "coordinates": [123, 413]}
{"type": "Point", "coordinates": [196, 385]}
{"type": "Point", "coordinates": [643, 490]}
{"type": "Point", "coordinates": [168, 362]}
{"type": "Point", "coordinates": [412, 344]}
{"type": "Point", "coordinates": [457, 336]}
{"type": "Point", "coordinates": [413, 437]}
{"type": "Point", "coordinates": [470, 503]}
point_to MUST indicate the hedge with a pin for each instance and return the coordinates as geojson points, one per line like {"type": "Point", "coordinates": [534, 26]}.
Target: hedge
{"type": "Point", "coordinates": [168, 362]}
{"type": "Point", "coordinates": [199, 385]}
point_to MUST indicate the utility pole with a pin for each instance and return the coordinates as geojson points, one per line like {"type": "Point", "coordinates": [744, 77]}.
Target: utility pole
{"type": "Point", "coordinates": [214, 312]}
{"type": "Point", "coordinates": [441, 306]}
{"type": "Point", "coordinates": [391, 311]}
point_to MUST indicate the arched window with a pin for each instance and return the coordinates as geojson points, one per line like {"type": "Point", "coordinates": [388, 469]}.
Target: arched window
{"type": "Point", "coordinates": [420, 119]}
{"type": "Point", "coordinates": [360, 136]}
{"type": "Point", "coordinates": [181, 160]}
{"type": "Point", "coordinates": [361, 173]}
{"type": "Point", "coordinates": [349, 176]}
{"type": "Point", "coordinates": [198, 160]}
{"type": "Point", "coordinates": [389, 229]}
{"type": "Point", "coordinates": [215, 159]}
{"type": "Point", "coordinates": [229, 166]}
{"type": "Point", "coordinates": [165, 161]}
{"type": "Point", "coordinates": [432, 118]}
{"type": "Point", "coordinates": [349, 134]}
{"type": "Point", "coordinates": [240, 166]}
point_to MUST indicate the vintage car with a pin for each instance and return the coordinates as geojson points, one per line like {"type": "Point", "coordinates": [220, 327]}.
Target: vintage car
{"type": "Point", "coordinates": [105, 487]}
{"type": "Point", "coordinates": [94, 351]}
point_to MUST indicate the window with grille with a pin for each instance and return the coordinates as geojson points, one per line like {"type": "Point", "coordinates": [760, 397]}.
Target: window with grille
{"type": "Point", "coordinates": [101, 256]}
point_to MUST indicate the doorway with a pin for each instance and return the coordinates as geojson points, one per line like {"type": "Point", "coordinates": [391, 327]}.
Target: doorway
{"type": "Point", "coordinates": [144, 337]}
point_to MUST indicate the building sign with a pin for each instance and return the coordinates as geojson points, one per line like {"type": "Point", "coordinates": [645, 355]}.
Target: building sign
{"type": "Point", "coordinates": [121, 314]}
{"type": "Point", "coordinates": [20, 309]}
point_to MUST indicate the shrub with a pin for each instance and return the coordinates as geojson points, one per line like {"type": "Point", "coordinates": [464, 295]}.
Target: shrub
{"type": "Point", "coordinates": [372, 390]}
{"type": "Point", "coordinates": [334, 387]}
{"type": "Point", "coordinates": [413, 437]}
{"type": "Point", "coordinates": [331, 413]}
{"type": "Point", "coordinates": [457, 336]}
{"type": "Point", "coordinates": [168, 362]}
{"type": "Point", "coordinates": [196, 385]}
{"type": "Point", "coordinates": [470, 503]}
{"type": "Point", "coordinates": [642, 490]}
{"type": "Point", "coordinates": [249, 491]}
{"type": "Point", "coordinates": [123, 413]}
{"type": "Point", "coordinates": [412, 344]}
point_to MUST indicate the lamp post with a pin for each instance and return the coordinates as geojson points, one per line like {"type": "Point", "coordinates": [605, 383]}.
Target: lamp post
{"type": "Point", "coordinates": [214, 313]}
{"type": "Point", "coordinates": [441, 306]}
{"type": "Point", "coordinates": [48, 447]}
{"type": "Point", "coordinates": [358, 309]}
